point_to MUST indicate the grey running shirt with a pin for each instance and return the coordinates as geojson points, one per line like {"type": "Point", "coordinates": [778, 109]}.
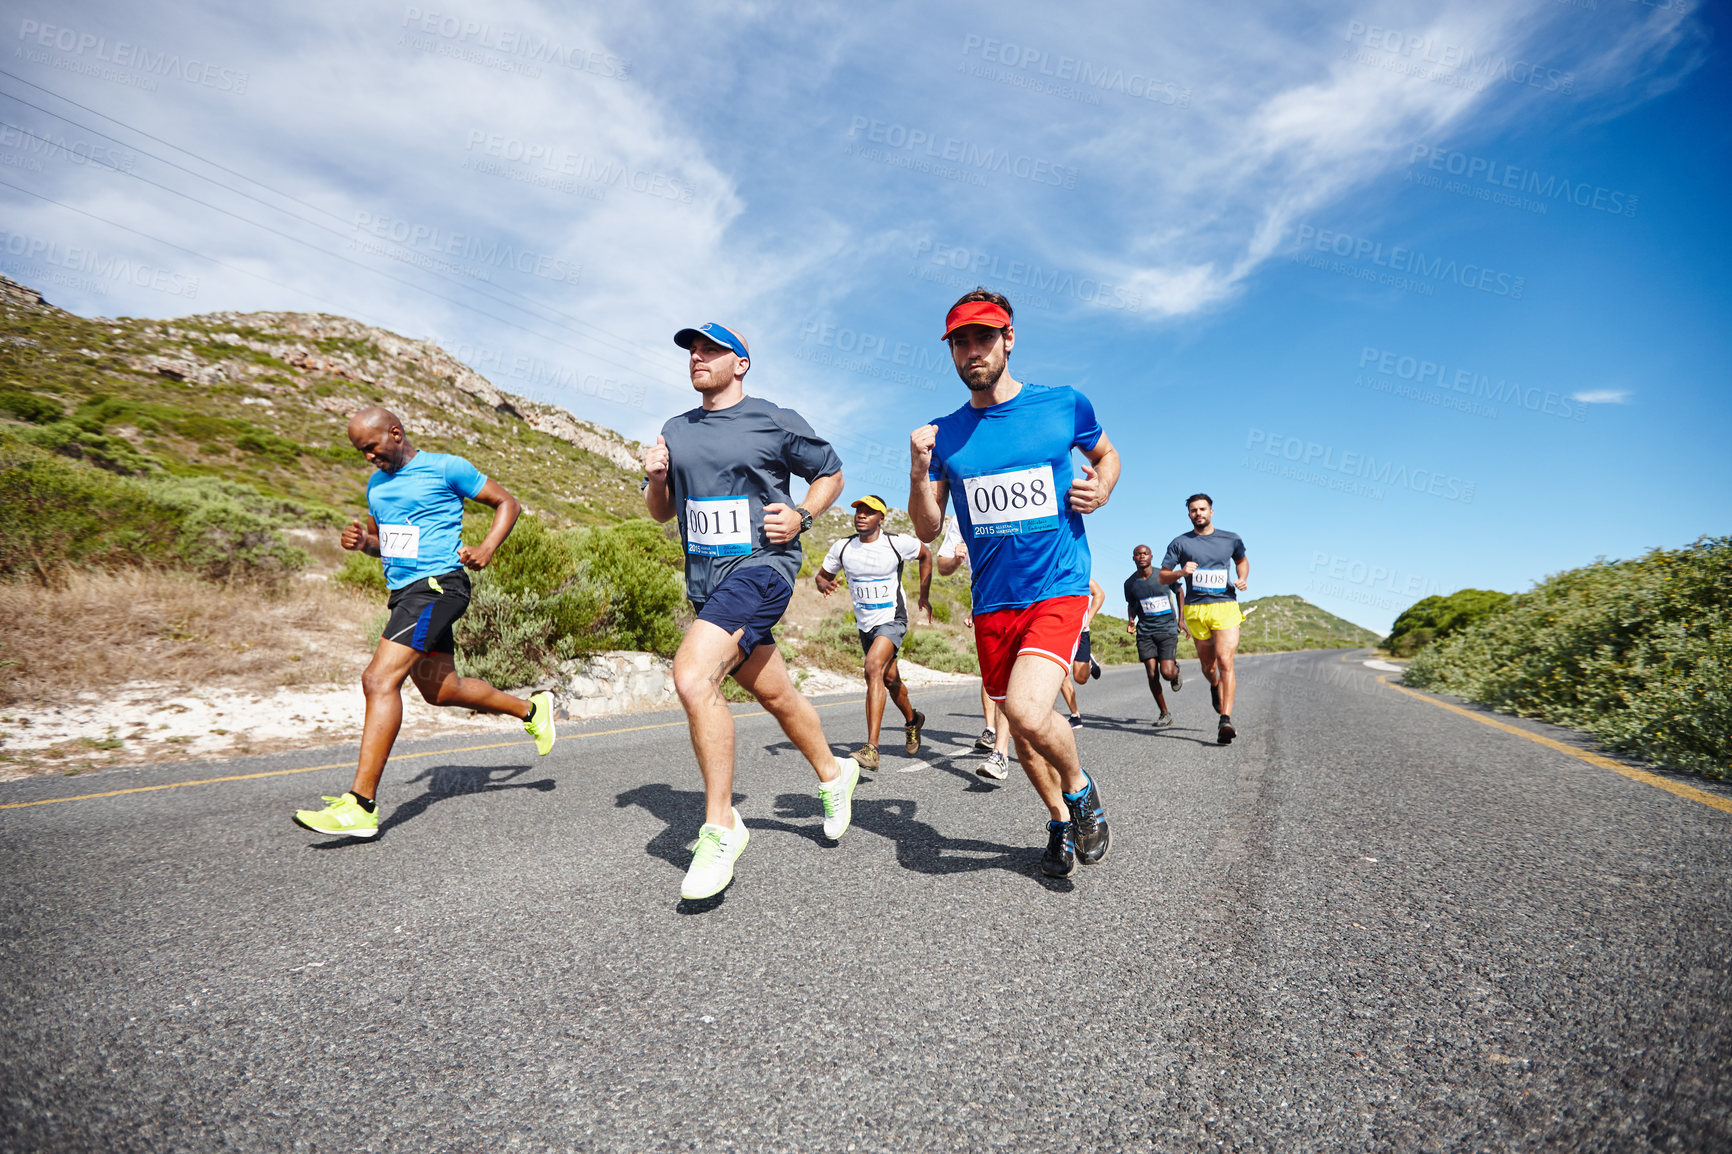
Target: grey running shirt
{"type": "Point", "coordinates": [1214, 555]}
{"type": "Point", "coordinates": [1150, 602]}
{"type": "Point", "coordinates": [724, 466]}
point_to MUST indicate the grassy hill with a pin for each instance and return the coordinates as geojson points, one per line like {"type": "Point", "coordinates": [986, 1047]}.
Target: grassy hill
{"type": "Point", "coordinates": [264, 398]}
{"type": "Point", "coordinates": [1281, 623]}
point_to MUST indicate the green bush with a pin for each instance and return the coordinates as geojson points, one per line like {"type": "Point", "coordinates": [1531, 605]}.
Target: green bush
{"type": "Point", "coordinates": [362, 573]}
{"type": "Point", "coordinates": [1636, 653]}
{"type": "Point", "coordinates": [30, 407]}
{"type": "Point", "coordinates": [936, 649]}
{"type": "Point", "coordinates": [552, 594]}
{"type": "Point", "coordinates": [1434, 618]}
{"type": "Point", "coordinates": [62, 513]}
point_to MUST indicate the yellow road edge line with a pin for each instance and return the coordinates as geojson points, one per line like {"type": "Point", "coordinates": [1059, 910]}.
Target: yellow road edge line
{"type": "Point", "coordinates": [1689, 792]}
{"type": "Point", "coordinates": [404, 757]}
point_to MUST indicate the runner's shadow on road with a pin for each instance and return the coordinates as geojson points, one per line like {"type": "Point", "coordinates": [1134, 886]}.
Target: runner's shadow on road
{"type": "Point", "coordinates": [1145, 726]}
{"type": "Point", "coordinates": [682, 810]}
{"type": "Point", "coordinates": [919, 845]}
{"type": "Point", "coordinates": [444, 781]}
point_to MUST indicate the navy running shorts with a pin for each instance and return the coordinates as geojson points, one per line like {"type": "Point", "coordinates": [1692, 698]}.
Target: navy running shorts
{"type": "Point", "coordinates": [1082, 649]}
{"type": "Point", "coordinates": [423, 612]}
{"type": "Point", "coordinates": [895, 630]}
{"type": "Point", "coordinates": [750, 599]}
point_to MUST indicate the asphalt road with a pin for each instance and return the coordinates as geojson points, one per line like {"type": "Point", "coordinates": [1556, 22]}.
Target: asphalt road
{"type": "Point", "coordinates": [1369, 924]}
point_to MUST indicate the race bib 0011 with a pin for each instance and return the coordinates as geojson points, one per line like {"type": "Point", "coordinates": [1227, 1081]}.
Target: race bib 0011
{"type": "Point", "coordinates": [1015, 501]}
{"type": "Point", "coordinates": [1209, 581]}
{"type": "Point", "coordinates": [1155, 606]}
{"type": "Point", "coordinates": [718, 526]}
{"type": "Point", "coordinates": [873, 594]}
{"type": "Point", "coordinates": [400, 542]}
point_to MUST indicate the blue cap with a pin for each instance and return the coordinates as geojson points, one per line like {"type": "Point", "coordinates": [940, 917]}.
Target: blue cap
{"type": "Point", "coordinates": [722, 335]}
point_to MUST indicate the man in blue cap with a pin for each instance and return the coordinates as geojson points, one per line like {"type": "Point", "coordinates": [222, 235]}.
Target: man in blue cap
{"type": "Point", "coordinates": [724, 470]}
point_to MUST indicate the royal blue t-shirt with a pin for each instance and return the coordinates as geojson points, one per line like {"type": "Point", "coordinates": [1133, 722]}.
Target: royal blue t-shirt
{"type": "Point", "coordinates": [419, 510]}
{"type": "Point", "coordinates": [1009, 471]}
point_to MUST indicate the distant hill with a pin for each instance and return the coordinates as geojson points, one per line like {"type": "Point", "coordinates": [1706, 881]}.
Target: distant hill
{"type": "Point", "coordinates": [264, 398]}
{"type": "Point", "coordinates": [1280, 624]}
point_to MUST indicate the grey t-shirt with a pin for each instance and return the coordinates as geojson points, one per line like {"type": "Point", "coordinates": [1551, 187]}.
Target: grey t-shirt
{"type": "Point", "coordinates": [1151, 603]}
{"type": "Point", "coordinates": [1214, 555]}
{"type": "Point", "coordinates": [724, 466]}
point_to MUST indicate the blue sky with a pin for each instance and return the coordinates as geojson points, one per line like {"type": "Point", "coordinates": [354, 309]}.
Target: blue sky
{"type": "Point", "coordinates": [1425, 295]}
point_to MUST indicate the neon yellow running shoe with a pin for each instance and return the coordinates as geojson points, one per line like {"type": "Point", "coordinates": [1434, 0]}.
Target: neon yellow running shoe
{"type": "Point", "coordinates": [540, 723]}
{"type": "Point", "coordinates": [712, 865]}
{"type": "Point", "coordinates": [344, 817]}
{"type": "Point", "coordinates": [838, 798]}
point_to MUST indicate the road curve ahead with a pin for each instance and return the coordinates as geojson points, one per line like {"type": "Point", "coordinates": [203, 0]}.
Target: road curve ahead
{"type": "Point", "coordinates": [1368, 924]}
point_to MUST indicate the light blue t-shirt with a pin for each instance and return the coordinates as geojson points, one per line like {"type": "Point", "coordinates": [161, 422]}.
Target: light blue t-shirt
{"type": "Point", "coordinates": [1009, 471]}
{"type": "Point", "coordinates": [419, 511]}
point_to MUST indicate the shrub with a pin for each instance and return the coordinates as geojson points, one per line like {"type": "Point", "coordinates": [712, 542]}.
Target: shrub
{"type": "Point", "coordinates": [30, 407]}
{"type": "Point", "coordinates": [936, 649]}
{"type": "Point", "coordinates": [1434, 618]}
{"type": "Point", "coordinates": [362, 573]}
{"type": "Point", "coordinates": [1637, 653]}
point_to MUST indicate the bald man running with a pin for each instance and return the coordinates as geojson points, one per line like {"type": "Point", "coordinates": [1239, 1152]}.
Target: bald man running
{"type": "Point", "coordinates": [415, 522]}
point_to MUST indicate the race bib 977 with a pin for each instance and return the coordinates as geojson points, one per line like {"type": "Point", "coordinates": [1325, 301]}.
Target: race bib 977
{"type": "Point", "coordinates": [718, 526]}
{"type": "Point", "coordinates": [1011, 502]}
{"type": "Point", "coordinates": [400, 542]}
{"type": "Point", "coordinates": [1209, 581]}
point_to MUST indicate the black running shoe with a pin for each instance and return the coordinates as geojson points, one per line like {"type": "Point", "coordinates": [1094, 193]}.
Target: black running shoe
{"type": "Point", "coordinates": [987, 739]}
{"type": "Point", "coordinates": [1059, 860]}
{"type": "Point", "coordinates": [1226, 734]}
{"type": "Point", "coordinates": [1089, 823]}
{"type": "Point", "coordinates": [1215, 696]}
{"type": "Point", "coordinates": [1094, 669]}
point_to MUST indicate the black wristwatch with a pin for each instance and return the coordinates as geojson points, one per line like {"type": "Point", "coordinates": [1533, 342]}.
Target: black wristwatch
{"type": "Point", "coordinates": [805, 518]}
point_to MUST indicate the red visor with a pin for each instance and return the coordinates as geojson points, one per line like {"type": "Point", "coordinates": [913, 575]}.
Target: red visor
{"type": "Point", "coordinates": [975, 313]}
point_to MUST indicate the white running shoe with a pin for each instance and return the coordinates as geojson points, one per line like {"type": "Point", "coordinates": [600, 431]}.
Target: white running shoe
{"type": "Point", "coordinates": [995, 766]}
{"type": "Point", "coordinates": [838, 798]}
{"type": "Point", "coordinates": [713, 863]}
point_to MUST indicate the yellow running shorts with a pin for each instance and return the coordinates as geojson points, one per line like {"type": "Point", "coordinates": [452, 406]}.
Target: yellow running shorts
{"type": "Point", "coordinates": [1203, 620]}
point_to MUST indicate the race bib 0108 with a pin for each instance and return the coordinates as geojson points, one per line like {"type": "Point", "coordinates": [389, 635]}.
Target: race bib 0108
{"type": "Point", "coordinates": [718, 526]}
{"type": "Point", "coordinates": [1012, 502]}
{"type": "Point", "coordinates": [1209, 581]}
{"type": "Point", "coordinates": [1155, 606]}
{"type": "Point", "coordinates": [400, 542]}
{"type": "Point", "coordinates": [873, 594]}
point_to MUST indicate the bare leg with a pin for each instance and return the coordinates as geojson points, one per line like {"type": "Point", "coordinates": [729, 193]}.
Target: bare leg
{"type": "Point", "coordinates": [765, 677]}
{"type": "Point", "coordinates": [1043, 739]}
{"type": "Point", "coordinates": [703, 660]}
{"type": "Point", "coordinates": [1206, 659]}
{"type": "Point", "coordinates": [1226, 645]}
{"type": "Point", "coordinates": [1153, 668]}
{"type": "Point", "coordinates": [436, 677]}
{"type": "Point", "coordinates": [1068, 694]}
{"type": "Point", "coordinates": [883, 682]}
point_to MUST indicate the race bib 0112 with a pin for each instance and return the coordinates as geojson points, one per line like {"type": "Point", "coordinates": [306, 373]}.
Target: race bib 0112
{"type": "Point", "coordinates": [400, 542]}
{"type": "Point", "coordinates": [873, 594]}
{"type": "Point", "coordinates": [718, 526]}
{"type": "Point", "coordinates": [1012, 502]}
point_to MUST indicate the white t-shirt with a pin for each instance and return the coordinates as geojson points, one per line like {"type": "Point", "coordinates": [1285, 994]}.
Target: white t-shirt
{"type": "Point", "coordinates": [952, 538]}
{"type": "Point", "coordinates": [872, 570]}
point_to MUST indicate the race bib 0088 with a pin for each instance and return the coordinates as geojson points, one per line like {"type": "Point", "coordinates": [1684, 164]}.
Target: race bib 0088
{"type": "Point", "coordinates": [718, 526]}
{"type": "Point", "coordinates": [1011, 502]}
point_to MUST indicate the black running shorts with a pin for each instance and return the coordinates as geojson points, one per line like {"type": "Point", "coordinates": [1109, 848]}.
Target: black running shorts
{"type": "Point", "coordinates": [423, 612]}
{"type": "Point", "coordinates": [1162, 645]}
